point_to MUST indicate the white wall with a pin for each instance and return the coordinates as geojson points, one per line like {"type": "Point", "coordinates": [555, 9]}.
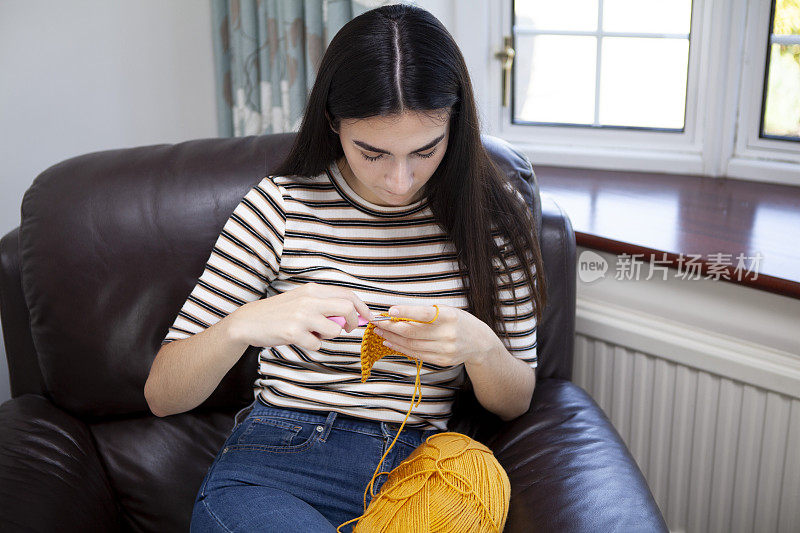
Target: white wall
{"type": "Point", "coordinates": [90, 75]}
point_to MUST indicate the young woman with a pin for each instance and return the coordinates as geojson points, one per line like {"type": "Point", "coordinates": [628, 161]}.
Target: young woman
{"type": "Point", "coordinates": [387, 200]}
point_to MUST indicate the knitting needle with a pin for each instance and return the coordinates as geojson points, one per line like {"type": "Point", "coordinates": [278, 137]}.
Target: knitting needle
{"type": "Point", "coordinates": [361, 320]}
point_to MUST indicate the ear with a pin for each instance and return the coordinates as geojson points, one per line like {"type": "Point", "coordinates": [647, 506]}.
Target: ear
{"type": "Point", "coordinates": [330, 123]}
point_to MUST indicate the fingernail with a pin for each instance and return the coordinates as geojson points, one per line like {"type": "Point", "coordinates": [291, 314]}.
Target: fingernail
{"type": "Point", "coordinates": [393, 311]}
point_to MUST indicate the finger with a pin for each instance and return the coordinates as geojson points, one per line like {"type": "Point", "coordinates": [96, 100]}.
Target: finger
{"type": "Point", "coordinates": [310, 341]}
{"type": "Point", "coordinates": [363, 308]}
{"type": "Point", "coordinates": [416, 328]}
{"type": "Point", "coordinates": [399, 347]}
{"type": "Point", "coordinates": [412, 346]}
{"type": "Point", "coordinates": [360, 307]}
{"type": "Point", "coordinates": [350, 315]}
{"type": "Point", "coordinates": [325, 328]}
{"type": "Point", "coordinates": [347, 307]}
{"type": "Point", "coordinates": [406, 330]}
{"type": "Point", "coordinates": [423, 313]}
{"type": "Point", "coordinates": [431, 357]}
{"type": "Point", "coordinates": [353, 302]}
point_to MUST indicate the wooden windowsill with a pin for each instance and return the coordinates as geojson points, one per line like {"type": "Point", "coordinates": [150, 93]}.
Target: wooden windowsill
{"type": "Point", "coordinates": [676, 216]}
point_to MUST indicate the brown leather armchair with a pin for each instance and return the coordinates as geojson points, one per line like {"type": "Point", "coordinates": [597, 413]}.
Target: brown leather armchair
{"type": "Point", "coordinates": [109, 245]}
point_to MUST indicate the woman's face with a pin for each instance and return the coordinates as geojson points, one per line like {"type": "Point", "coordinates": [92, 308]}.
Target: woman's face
{"type": "Point", "coordinates": [388, 160]}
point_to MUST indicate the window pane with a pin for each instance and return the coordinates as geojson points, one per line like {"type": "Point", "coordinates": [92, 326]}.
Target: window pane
{"type": "Point", "coordinates": [782, 108]}
{"type": "Point", "coordinates": [554, 78]}
{"type": "Point", "coordinates": [550, 15]}
{"type": "Point", "coordinates": [787, 17]}
{"type": "Point", "coordinates": [647, 16]}
{"type": "Point", "coordinates": [643, 82]}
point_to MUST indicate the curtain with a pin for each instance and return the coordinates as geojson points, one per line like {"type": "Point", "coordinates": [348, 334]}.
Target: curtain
{"type": "Point", "coordinates": [266, 55]}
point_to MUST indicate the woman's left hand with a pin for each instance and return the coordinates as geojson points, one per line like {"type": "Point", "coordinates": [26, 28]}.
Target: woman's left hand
{"type": "Point", "coordinates": [455, 337]}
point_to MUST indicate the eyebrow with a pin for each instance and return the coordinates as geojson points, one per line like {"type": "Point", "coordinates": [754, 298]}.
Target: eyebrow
{"type": "Point", "coordinates": [366, 146]}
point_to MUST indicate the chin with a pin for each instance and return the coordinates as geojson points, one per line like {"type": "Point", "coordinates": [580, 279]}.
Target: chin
{"type": "Point", "coordinates": [395, 198]}
{"type": "Point", "coordinates": [393, 202]}
{"type": "Point", "coordinates": [389, 197]}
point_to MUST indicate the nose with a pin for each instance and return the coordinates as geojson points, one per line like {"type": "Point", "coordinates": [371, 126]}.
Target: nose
{"type": "Point", "coordinates": [400, 179]}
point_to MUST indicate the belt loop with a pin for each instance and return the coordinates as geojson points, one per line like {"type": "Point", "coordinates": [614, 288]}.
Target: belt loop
{"type": "Point", "coordinates": [328, 425]}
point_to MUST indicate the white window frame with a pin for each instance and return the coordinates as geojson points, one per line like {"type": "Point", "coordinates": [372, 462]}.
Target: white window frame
{"type": "Point", "coordinates": [752, 156]}
{"type": "Point", "coordinates": [726, 61]}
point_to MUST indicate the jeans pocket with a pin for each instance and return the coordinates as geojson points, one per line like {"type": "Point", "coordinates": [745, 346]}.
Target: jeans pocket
{"type": "Point", "coordinates": [275, 434]}
{"type": "Point", "coordinates": [242, 414]}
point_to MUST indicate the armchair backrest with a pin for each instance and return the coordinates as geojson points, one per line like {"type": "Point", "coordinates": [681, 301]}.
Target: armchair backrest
{"type": "Point", "coordinates": [111, 242]}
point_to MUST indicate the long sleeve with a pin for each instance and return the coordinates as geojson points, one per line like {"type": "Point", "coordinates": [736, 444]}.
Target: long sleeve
{"type": "Point", "coordinates": [245, 259]}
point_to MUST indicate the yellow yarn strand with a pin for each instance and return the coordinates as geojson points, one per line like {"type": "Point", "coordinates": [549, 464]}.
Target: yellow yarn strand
{"type": "Point", "coordinates": [371, 350]}
{"type": "Point", "coordinates": [440, 448]}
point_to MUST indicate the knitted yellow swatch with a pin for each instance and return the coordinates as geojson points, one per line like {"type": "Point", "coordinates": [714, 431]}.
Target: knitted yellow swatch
{"type": "Point", "coordinates": [372, 348]}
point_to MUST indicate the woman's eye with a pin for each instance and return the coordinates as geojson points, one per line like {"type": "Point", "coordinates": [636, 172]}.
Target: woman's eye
{"type": "Point", "coordinates": [375, 158]}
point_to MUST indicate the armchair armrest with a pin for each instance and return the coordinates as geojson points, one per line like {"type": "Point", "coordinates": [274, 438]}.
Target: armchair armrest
{"type": "Point", "coordinates": [569, 468]}
{"type": "Point", "coordinates": [50, 472]}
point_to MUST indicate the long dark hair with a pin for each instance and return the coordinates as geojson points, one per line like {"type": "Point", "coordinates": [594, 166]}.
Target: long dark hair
{"type": "Point", "coordinates": [398, 58]}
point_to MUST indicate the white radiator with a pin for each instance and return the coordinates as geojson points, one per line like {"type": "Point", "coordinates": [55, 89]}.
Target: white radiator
{"type": "Point", "coordinates": [712, 421]}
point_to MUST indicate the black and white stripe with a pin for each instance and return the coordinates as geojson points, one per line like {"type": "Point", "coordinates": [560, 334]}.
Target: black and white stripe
{"type": "Point", "coordinates": [285, 233]}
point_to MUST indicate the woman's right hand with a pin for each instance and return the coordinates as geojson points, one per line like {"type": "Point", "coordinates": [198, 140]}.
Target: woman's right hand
{"type": "Point", "coordinates": [298, 316]}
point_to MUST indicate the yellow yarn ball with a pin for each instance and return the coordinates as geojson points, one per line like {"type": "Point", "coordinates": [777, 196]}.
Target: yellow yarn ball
{"type": "Point", "coordinates": [449, 483]}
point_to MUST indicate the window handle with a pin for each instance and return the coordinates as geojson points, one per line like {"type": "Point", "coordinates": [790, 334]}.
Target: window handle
{"type": "Point", "coordinates": [507, 56]}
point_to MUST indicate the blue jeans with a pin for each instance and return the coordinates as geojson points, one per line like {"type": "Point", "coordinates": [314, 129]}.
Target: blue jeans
{"type": "Point", "coordinates": [297, 470]}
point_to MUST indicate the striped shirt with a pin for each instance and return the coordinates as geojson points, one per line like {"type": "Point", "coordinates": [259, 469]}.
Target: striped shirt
{"type": "Point", "coordinates": [285, 233]}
